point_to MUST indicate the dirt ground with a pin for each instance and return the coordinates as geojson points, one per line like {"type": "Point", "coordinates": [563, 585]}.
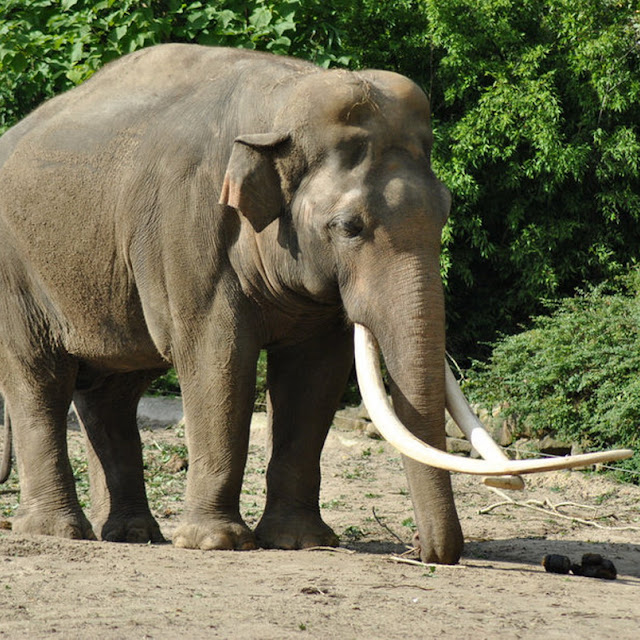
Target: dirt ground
{"type": "Point", "coordinates": [58, 588]}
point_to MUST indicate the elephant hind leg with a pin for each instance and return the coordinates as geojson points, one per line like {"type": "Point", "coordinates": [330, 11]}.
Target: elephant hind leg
{"type": "Point", "coordinates": [107, 415]}
{"type": "Point", "coordinates": [39, 405]}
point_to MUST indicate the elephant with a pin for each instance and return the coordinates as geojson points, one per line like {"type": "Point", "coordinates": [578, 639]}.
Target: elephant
{"type": "Point", "coordinates": [188, 206]}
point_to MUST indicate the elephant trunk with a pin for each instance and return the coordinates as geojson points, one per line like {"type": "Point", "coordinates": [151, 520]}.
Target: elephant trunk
{"type": "Point", "coordinates": [411, 337]}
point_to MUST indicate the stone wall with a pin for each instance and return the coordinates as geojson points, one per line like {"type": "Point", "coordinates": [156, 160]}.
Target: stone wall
{"type": "Point", "coordinates": [501, 428]}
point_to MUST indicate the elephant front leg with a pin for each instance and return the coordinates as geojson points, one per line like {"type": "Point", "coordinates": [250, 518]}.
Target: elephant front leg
{"type": "Point", "coordinates": [218, 394]}
{"type": "Point", "coordinates": [107, 414]}
{"type": "Point", "coordinates": [305, 384]}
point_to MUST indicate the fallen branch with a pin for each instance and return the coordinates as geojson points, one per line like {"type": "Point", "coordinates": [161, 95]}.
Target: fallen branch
{"type": "Point", "coordinates": [552, 510]}
{"type": "Point", "coordinates": [401, 586]}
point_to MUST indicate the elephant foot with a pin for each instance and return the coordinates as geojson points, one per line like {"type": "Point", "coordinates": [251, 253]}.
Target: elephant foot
{"type": "Point", "coordinates": [137, 529]}
{"type": "Point", "coordinates": [447, 554]}
{"type": "Point", "coordinates": [72, 526]}
{"type": "Point", "coordinates": [300, 530]}
{"type": "Point", "coordinates": [213, 534]}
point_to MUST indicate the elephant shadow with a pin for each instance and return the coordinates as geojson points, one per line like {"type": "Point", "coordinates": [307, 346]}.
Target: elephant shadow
{"type": "Point", "coordinates": [377, 547]}
{"type": "Point", "coordinates": [625, 556]}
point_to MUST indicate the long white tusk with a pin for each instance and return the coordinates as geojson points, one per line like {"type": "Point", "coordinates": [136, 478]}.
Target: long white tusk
{"type": "Point", "coordinates": [383, 416]}
{"type": "Point", "coordinates": [478, 436]}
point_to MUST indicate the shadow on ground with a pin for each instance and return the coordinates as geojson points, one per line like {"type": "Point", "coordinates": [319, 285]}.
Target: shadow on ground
{"type": "Point", "coordinates": [626, 557]}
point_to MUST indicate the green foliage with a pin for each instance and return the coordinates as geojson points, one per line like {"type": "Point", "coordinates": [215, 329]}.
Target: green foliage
{"type": "Point", "coordinates": [536, 109]}
{"type": "Point", "coordinates": [166, 385]}
{"type": "Point", "coordinates": [391, 35]}
{"type": "Point", "coordinates": [48, 46]}
{"type": "Point", "coordinates": [575, 371]}
{"type": "Point", "coordinates": [261, 382]}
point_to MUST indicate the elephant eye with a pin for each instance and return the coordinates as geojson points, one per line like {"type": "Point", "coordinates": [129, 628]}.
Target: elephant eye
{"type": "Point", "coordinates": [353, 152]}
{"type": "Point", "coordinates": [347, 226]}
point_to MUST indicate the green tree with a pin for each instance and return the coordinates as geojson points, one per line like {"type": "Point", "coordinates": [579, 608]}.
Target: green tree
{"type": "Point", "coordinates": [537, 107]}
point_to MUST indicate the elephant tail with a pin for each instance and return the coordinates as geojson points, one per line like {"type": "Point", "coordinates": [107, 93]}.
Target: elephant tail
{"type": "Point", "coordinates": [5, 465]}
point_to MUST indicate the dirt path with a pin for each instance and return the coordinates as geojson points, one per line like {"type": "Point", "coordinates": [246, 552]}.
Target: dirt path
{"type": "Point", "coordinates": [58, 588]}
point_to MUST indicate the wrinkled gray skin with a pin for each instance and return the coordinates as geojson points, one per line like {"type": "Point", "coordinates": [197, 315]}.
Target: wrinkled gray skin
{"type": "Point", "coordinates": [189, 206]}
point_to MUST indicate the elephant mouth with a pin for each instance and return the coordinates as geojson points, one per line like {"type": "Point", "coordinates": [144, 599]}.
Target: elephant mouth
{"type": "Point", "coordinates": [499, 470]}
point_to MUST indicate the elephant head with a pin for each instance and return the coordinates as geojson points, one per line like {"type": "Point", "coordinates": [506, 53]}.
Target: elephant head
{"type": "Point", "coordinates": [346, 173]}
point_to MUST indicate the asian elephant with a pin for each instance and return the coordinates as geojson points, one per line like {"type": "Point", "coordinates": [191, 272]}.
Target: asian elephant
{"type": "Point", "coordinates": [189, 206]}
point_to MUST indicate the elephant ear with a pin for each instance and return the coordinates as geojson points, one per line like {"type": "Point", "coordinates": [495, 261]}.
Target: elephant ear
{"type": "Point", "coordinates": [252, 183]}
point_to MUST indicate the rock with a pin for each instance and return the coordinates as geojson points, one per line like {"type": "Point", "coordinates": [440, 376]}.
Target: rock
{"type": "Point", "coordinates": [501, 433]}
{"type": "Point", "coordinates": [554, 447]}
{"type": "Point", "coordinates": [371, 431]}
{"type": "Point", "coordinates": [347, 422]}
{"type": "Point", "coordinates": [451, 428]}
{"type": "Point", "coordinates": [356, 418]}
{"type": "Point", "coordinates": [159, 412]}
{"type": "Point", "coordinates": [361, 411]}
{"type": "Point", "coordinates": [458, 445]}
{"type": "Point", "coordinates": [576, 449]}
{"type": "Point", "coordinates": [176, 464]}
{"type": "Point", "coordinates": [524, 447]}
{"type": "Point", "coordinates": [484, 416]}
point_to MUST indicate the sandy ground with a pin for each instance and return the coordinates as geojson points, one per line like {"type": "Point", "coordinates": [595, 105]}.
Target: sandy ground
{"type": "Point", "coordinates": [58, 588]}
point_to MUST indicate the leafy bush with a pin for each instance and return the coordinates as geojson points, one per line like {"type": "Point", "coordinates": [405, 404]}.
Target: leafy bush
{"type": "Point", "coordinates": [576, 371]}
{"type": "Point", "coordinates": [166, 385]}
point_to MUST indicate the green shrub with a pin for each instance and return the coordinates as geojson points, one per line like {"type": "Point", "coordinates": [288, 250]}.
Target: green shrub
{"type": "Point", "coordinates": [536, 108]}
{"type": "Point", "coordinates": [166, 385]}
{"type": "Point", "coordinates": [169, 385]}
{"type": "Point", "coordinates": [576, 372]}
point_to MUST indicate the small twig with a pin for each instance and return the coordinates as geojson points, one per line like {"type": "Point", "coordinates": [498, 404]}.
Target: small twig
{"type": "Point", "coordinates": [387, 528]}
{"type": "Point", "coordinates": [493, 506]}
{"type": "Point", "coordinates": [415, 563]}
{"type": "Point", "coordinates": [572, 504]}
{"type": "Point", "coordinates": [418, 563]}
{"type": "Point", "coordinates": [401, 586]}
{"type": "Point", "coordinates": [456, 365]}
{"type": "Point", "coordinates": [334, 549]}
